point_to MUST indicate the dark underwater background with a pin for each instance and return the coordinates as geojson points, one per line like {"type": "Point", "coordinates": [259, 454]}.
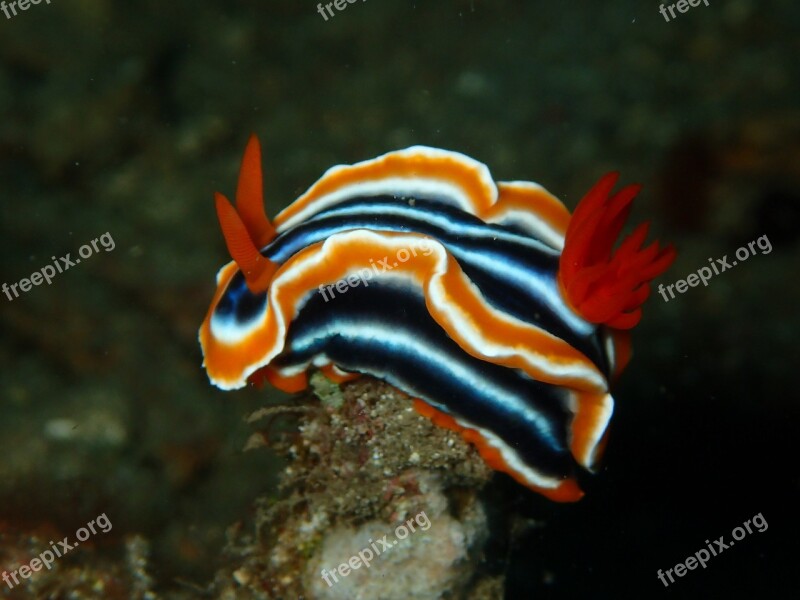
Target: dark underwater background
{"type": "Point", "coordinates": [124, 118]}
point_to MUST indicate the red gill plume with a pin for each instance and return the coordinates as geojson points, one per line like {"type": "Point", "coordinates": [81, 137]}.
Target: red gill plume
{"type": "Point", "coordinates": [601, 284]}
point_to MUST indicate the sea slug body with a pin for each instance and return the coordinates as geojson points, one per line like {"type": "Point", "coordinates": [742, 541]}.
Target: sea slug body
{"type": "Point", "coordinates": [506, 320]}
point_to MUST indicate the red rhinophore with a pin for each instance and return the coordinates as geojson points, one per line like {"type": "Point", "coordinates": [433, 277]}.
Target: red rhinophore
{"type": "Point", "coordinates": [604, 285]}
{"type": "Point", "coordinates": [257, 270]}
{"type": "Point", "coordinates": [250, 195]}
{"type": "Point", "coordinates": [246, 227]}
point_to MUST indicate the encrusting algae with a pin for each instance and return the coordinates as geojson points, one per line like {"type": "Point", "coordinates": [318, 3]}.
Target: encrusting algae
{"type": "Point", "coordinates": [362, 465]}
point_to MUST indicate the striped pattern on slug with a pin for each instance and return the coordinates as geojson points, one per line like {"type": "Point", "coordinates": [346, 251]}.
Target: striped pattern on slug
{"type": "Point", "coordinates": [507, 326]}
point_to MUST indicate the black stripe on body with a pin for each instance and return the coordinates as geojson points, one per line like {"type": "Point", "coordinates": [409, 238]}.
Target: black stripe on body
{"type": "Point", "coordinates": [466, 237]}
{"type": "Point", "coordinates": [386, 331]}
{"type": "Point", "coordinates": [239, 303]}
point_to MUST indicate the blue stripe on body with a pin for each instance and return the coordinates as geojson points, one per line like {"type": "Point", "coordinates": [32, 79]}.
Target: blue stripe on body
{"type": "Point", "coordinates": [517, 274]}
{"type": "Point", "coordinates": [386, 331]}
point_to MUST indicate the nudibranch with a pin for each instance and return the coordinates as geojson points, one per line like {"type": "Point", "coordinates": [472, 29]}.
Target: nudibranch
{"type": "Point", "coordinates": [502, 315]}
